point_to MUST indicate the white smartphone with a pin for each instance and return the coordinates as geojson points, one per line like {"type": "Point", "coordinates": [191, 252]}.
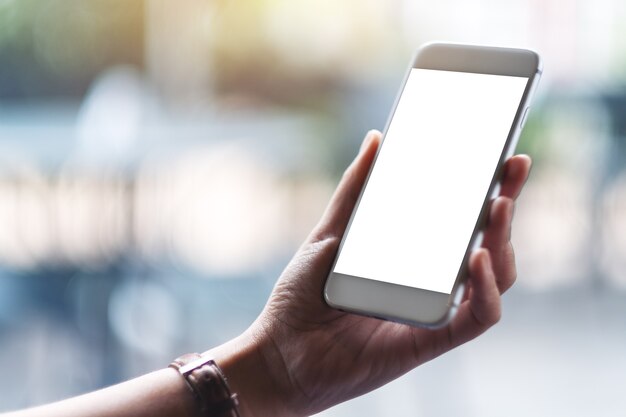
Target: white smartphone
{"type": "Point", "coordinates": [457, 119]}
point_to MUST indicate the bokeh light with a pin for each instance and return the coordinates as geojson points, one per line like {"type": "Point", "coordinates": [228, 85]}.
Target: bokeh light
{"type": "Point", "coordinates": [161, 161]}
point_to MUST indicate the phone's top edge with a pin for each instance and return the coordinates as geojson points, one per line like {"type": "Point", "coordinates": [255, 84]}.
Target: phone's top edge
{"type": "Point", "coordinates": [478, 58]}
{"type": "Point", "coordinates": [431, 44]}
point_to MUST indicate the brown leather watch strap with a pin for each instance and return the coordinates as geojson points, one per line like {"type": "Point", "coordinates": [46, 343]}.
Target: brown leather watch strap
{"type": "Point", "coordinates": [208, 385]}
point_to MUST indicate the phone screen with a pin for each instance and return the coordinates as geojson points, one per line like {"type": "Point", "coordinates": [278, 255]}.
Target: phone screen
{"type": "Point", "coordinates": [424, 195]}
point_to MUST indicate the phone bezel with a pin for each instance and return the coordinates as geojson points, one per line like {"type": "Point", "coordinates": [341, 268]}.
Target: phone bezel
{"type": "Point", "coordinates": [416, 306]}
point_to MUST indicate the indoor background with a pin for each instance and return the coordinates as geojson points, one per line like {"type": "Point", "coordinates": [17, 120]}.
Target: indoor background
{"type": "Point", "coordinates": [161, 161]}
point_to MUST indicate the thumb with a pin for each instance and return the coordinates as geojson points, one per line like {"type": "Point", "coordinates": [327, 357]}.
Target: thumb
{"type": "Point", "coordinates": [337, 214]}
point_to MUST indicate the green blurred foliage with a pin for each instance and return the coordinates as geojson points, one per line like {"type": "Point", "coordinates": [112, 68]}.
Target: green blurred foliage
{"type": "Point", "coordinates": [301, 53]}
{"type": "Point", "coordinates": [57, 47]}
{"type": "Point", "coordinates": [534, 137]}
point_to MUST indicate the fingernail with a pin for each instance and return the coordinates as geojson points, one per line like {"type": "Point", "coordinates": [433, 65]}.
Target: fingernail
{"type": "Point", "coordinates": [530, 163]}
{"type": "Point", "coordinates": [513, 170]}
{"type": "Point", "coordinates": [366, 141]}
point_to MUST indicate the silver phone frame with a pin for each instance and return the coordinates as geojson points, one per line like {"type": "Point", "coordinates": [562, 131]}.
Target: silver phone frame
{"type": "Point", "coordinates": [415, 306]}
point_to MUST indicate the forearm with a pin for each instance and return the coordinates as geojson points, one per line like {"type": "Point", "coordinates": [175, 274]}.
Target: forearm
{"type": "Point", "coordinates": [165, 392]}
{"type": "Point", "coordinates": [160, 393]}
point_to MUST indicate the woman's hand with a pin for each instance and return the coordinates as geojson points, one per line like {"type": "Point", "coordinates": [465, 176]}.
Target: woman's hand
{"type": "Point", "coordinates": [301, 356]}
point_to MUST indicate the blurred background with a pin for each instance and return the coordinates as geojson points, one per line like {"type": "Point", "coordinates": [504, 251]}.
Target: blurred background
{"type": "Point", "coordinates": [161, 161]}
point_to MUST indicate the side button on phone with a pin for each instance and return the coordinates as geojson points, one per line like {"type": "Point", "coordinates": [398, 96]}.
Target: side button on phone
{"type": "Point", "coordinates": [523, 122]}
{"type": "Point", "coordinates": [458, 296]}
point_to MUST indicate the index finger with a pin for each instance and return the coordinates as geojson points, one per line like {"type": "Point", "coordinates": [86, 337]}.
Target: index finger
{"type": "Point", "coordinates": [516, 170]}
{"type": "Point", "coordinates": [337, 214]}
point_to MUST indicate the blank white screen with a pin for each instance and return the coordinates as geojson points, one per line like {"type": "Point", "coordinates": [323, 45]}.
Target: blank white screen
{"type": "Point", "coordinates": [424, 195]}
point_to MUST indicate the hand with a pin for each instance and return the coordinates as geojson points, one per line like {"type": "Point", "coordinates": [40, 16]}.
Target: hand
{"type": "Point", "coordinates": [301, 356]}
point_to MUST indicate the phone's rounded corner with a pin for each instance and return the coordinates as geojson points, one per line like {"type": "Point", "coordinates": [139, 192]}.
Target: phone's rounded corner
{"type": "Point", "coordinates": [531, 64]}
{"type": "Point", "coordinates": [456, 297]}
{"type": "Point", "coordinates": [326, 294]}
{"type": "Point", "coordinates": [451, 308]}
{"type": "Point", "coordinates": [442, 321]}
{"type": "Point", "coordinates": [447, 318]}
{"type": "Point", "coordinates": [429, 49]}
{"type": "Point", "coordinates": [327, 299]}
{"type": "Point", "coordinates": [425, 47]}
{"type": "Point", "coordinates": [538, 61]}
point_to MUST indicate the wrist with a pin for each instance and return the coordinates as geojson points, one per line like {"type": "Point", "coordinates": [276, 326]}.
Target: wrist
{"type": "Point", "coordinates": [207, 385]}
{"type": "Point", "coordinates": [243, 361]}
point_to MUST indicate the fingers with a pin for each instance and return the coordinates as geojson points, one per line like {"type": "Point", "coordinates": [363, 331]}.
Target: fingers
{"type": "Point", "coordinates": [337, 214]}
{"type": "Point", "coordinates": [516, 171]}
{"type": "Point", "coordinates": [497, 238]}
{"type": "Point", "coordinates": [483, 309]}
{"type": "Point", "coordinates": [500, 218]}
{"type": "Point", "coordinates": [484, 300]}
{"type": "Point", "coordinates": [497, 235]}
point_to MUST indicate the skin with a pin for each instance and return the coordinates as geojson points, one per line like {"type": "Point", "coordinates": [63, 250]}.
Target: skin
{"type": "Point", "coordinates": [299, 356]}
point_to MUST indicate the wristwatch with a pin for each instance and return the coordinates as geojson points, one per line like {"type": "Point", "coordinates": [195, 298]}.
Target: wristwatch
{"type": "Point", "coordinates": [208, 385]}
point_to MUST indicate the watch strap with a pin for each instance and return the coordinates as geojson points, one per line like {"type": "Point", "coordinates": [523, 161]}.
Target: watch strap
{"type": "Point", "coordinates": [208, 385]}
